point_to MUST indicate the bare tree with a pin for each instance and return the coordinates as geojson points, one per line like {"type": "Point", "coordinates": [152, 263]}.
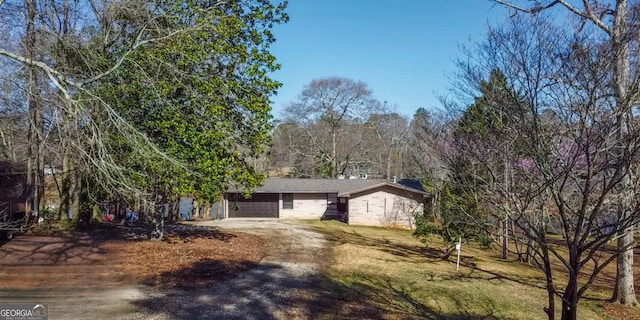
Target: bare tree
{"type": "Point", "coordinates": [575, 165]}
{"type": "Point", "coordinates": [325, 109]}
{"type": "Point", "coordinates": [392, 131]}
{"type": "Point", "coordinates": [69, 83]}
{"type": "Point", "coordinates": [13, 120]}
{"type": "Point", "coordinates": [429, 134]}
{"type": "Point", "coordinates": [617, 21]}
{"type": "Point", "coordinates": [288, 155]}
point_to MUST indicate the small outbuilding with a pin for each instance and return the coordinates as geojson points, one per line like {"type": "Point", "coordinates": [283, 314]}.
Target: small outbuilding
{"type": "Point", "coordinates": [356, 201]}
{"type": "Point", "coordinates": [13, 178]}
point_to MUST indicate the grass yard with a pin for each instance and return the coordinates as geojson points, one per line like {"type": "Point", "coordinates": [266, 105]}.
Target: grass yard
{"type": "Point", "coordinates": [393, 272]}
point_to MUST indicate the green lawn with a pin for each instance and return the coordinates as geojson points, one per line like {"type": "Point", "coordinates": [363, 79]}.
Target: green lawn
{"type": "Point", "coordinates": [395, 276]}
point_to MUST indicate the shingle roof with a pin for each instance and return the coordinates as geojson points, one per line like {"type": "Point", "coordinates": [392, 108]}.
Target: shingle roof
{"type": "Point", "coordinates": [340, 186]}
{"type": "Point", "coordinates": [411, 183]}
{"type": "Point", "coordinates": [7, 167]}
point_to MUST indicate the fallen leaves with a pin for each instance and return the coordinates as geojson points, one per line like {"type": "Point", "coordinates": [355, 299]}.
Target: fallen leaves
{"type": "Point", "coordinates": [110, 256]}
{"type": "Point", "coordinates": [194, 262]}
{"type": "Point", "coordinates": [617, 311]}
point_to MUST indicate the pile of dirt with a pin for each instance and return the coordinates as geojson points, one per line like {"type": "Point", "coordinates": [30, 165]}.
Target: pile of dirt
{"type": "Point", "coordinates": [113, 255]}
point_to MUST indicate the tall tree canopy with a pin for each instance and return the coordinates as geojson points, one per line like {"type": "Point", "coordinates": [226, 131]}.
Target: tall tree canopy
{"type": "Point", "coordinates": [146, 98]}
{"type": "Point", "coordinates": [332, 113]}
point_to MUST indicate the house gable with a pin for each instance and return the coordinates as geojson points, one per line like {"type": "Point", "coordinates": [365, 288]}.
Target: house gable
{"type": "Point", "coordinates": [385, 206]}
{"type": "Point", "coordinates": [391, 189]}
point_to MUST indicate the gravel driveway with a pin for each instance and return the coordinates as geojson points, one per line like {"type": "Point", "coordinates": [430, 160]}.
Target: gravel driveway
{"type": "Point", "coordinates": [281, 287]}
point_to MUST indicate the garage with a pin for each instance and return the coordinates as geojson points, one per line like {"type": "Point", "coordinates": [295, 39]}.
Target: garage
{"type": "Point", "coordinates": [260, 205]}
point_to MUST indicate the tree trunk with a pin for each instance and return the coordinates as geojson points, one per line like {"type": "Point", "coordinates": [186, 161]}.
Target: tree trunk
{"type": "Point", "coordinates": [570, 295]}
{"type": "Point", "coordinates": [70, 194]}
{"type": "Point", "coordinates": [75, 195]}
{"type": "Point", "coordinates": [517, 243]}
{"type": "Point", "coordinates": [176, 209]}
{"type": "Point", "coordinates": [220, 207]}
{"type": "Point", "coordinates": [158, 223]}
{"type": "Point", "coordinates": [550, 310]}
{"type": "Point", "coordinates": [33, 147]}
{"type": "Point", "coordinates": [624, 290]}
{"type": "Point", "coordinates": [505, 227]}
{"type": "Point", "coordinates": [65, 191]}
{"type": "Point", "coordinates": [334, 146]}
{"type": "Point", "coordinates": [530, 251]}
{"type": "Point", "coordinates": [389, 160]}
{"type": "Point", "coordinates": [505, 237]}
{"type": "Point", "coordinates": [400, 165]}
{"type": "Point", "coordinates": [570, 298]}
{"type": "Point", "coordinates": [39, 174]}
{"type": "Point", "coordinates": [436, 204]}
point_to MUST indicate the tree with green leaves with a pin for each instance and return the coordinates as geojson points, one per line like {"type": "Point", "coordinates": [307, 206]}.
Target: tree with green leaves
{"type": "Point", "coordinates": [208, 101]}
{"type": "Point", "coordinates": [157, 98]}
{"type": "Point", "coordinates": [473, 149]}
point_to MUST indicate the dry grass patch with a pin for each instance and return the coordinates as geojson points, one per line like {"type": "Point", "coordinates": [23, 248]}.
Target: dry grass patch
{"type": "Point", "coordinates": [408, 279]}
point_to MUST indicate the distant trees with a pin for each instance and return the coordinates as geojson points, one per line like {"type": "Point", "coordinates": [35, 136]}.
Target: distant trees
{"type": "Point", "coordinates": [428, 142]}
{"type": "Point", "coordinates": [13, 122]}
{"type": "Point", "coordinates": [336, 127]}
{"type": "Point", "coordinates": [331, 113]}
{"type": "Point", "coordinates": [392, 132]}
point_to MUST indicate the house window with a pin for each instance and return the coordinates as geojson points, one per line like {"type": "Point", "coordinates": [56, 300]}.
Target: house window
{"type": "Point", "coordinates": [287, 201]}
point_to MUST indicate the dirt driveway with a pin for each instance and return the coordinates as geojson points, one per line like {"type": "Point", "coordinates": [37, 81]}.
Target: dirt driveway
{"type": "Point", "coordinates": [280, 286]}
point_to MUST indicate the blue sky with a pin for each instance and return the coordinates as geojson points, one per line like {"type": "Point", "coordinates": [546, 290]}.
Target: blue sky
{"type": "Point", "coordinates": [403, 49]}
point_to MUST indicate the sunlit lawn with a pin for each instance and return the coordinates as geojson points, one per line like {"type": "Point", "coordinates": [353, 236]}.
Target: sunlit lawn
{"type": "Point", "coordinates": [408, 279]}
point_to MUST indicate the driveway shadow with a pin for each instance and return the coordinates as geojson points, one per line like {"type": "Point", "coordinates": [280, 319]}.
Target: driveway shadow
{"type": "Point", "coordinates": [86, 247]}
{"type": "Point", "coordinates": [273, 291]}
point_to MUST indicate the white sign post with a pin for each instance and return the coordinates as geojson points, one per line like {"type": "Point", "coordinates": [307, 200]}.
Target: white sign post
{"type": "Point", "coordinates": [458, 248]}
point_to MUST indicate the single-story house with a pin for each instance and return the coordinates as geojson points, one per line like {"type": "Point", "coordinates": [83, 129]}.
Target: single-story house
{"type": "Point", "coordinates": [356, 201]}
